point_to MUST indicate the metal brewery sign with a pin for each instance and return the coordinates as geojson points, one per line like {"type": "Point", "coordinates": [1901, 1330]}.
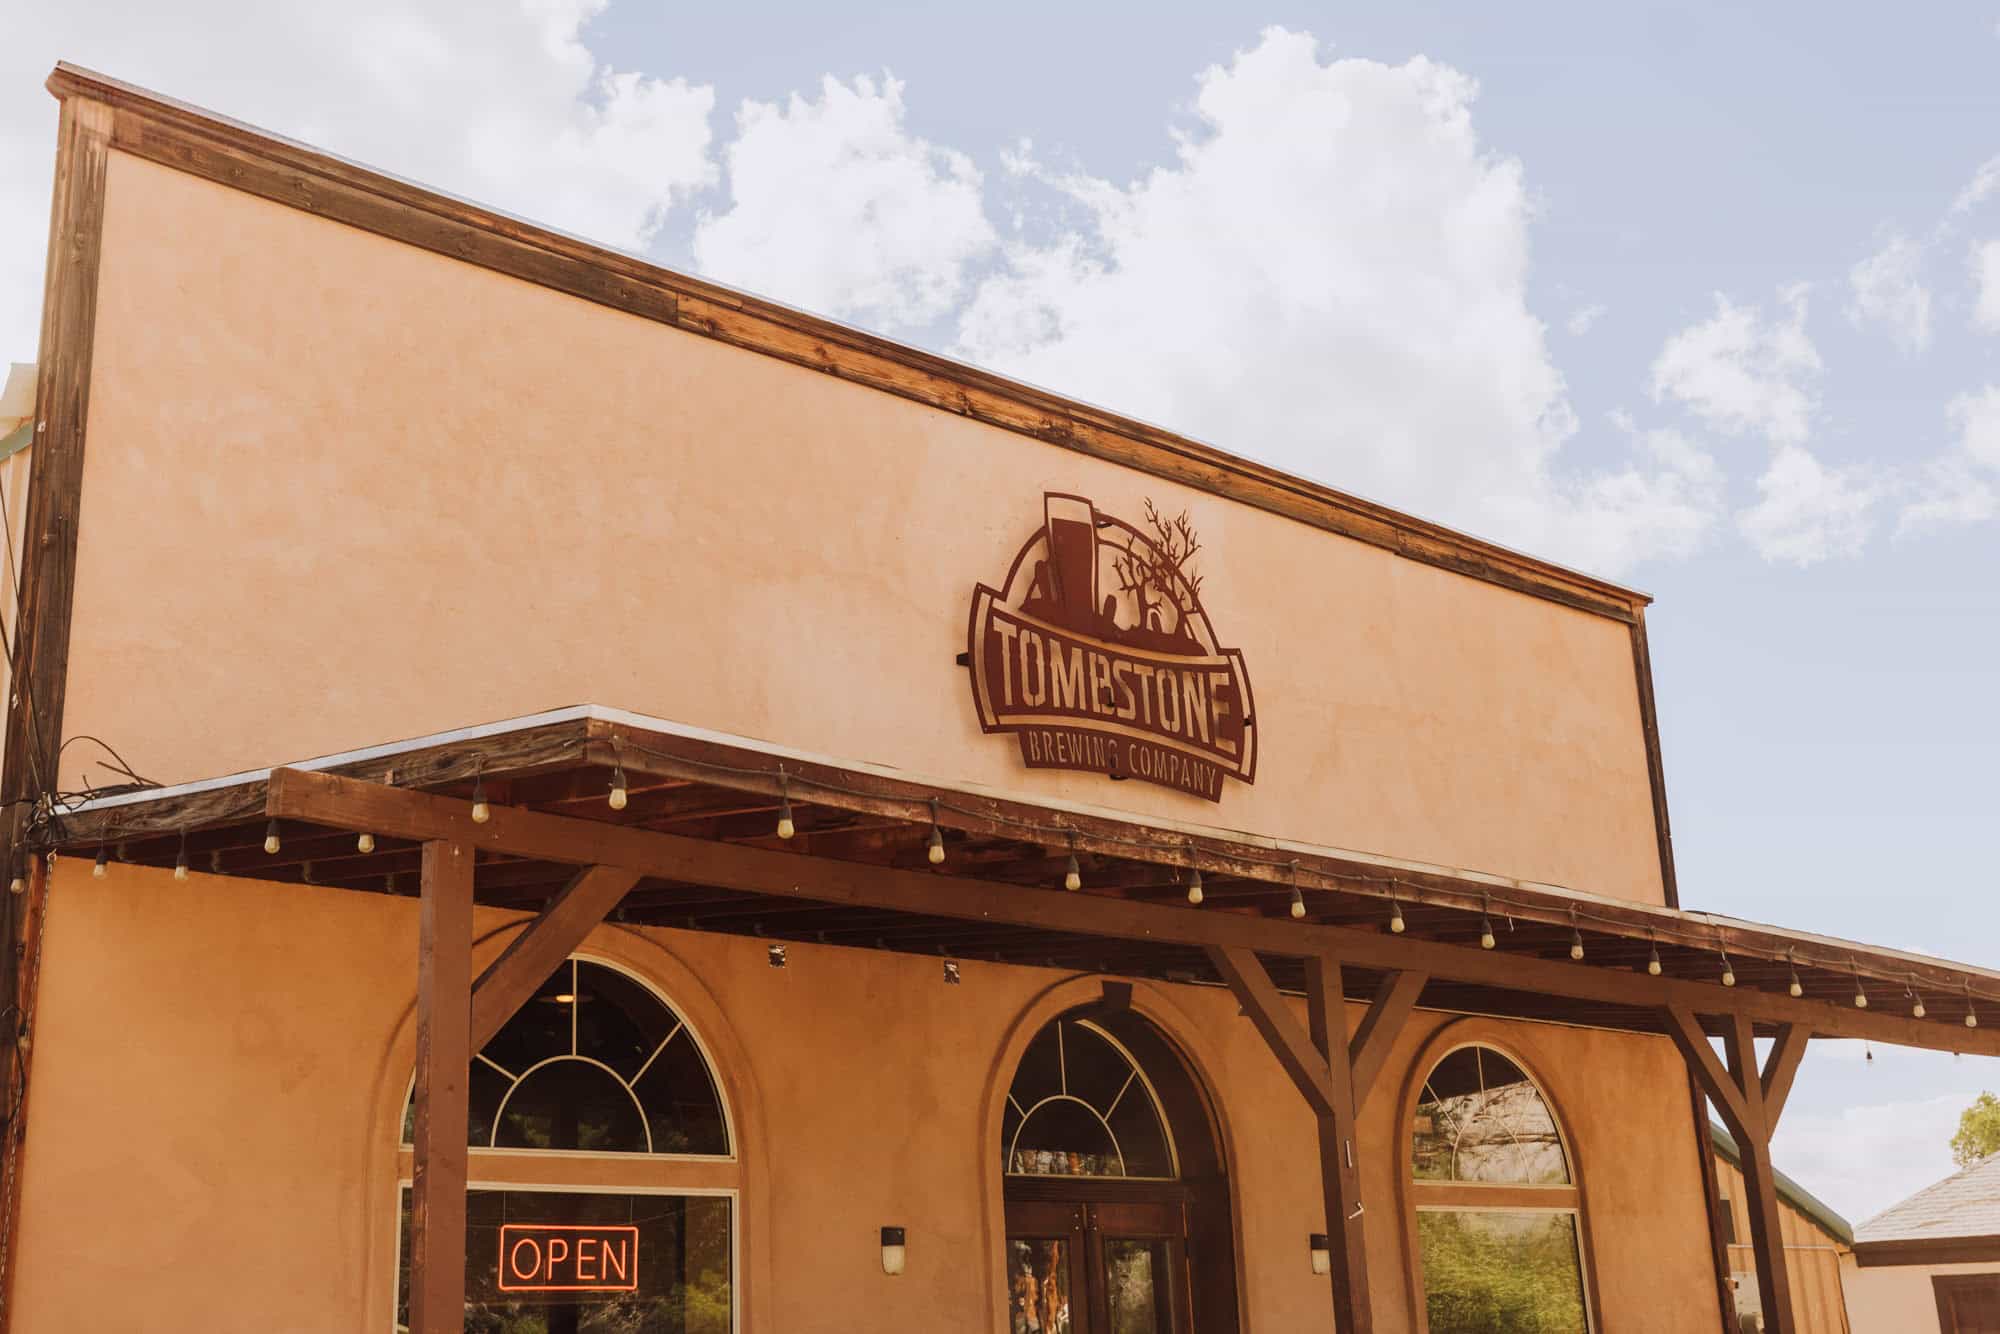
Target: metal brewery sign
{"type": "Point", "coordinates": [1098, 655]}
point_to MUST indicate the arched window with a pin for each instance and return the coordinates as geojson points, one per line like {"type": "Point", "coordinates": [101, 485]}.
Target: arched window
{"type": "Point", "coordinates": [595, 1063]}
{"type": "Point", "coordinates": [1081, 1106]}
{"type": "Point", "coordinates": [1497, 1220]}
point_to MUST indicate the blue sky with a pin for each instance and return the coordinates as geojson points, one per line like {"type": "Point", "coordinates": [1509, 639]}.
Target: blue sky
{"type": "Point", "coordinates": [1695, 296]}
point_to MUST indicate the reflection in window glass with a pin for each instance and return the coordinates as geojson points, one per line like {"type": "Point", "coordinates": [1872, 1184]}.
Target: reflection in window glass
{"type": "Point", "coordinates": [1079, 1106]}
{"type": "Point", "coordinates": [1038, 1286]}
{"type": "Point", "coordinates": [1135, 1276]}
{"type": "Point", "coordinates": [593, 1063]}
{"type": "Point", "coordinates": [1481, 1119]}
{"type": "Point", "coordinates": [1495, 1272]}
{"type": "Point", "coordinates": [660, 1264]}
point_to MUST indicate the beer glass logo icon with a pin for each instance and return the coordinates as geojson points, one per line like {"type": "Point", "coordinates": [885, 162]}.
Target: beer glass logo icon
{"type": "Point", "coordinates": [1098, 654]}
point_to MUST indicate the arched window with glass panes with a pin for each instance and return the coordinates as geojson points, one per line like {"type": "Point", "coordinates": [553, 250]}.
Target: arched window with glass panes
{"type": "Point", "coordinates": [595, 1064]}
{"type": "Point", "coordinates": [1498, 1220]}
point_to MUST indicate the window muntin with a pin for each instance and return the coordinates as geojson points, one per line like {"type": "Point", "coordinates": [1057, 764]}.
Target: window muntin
{"type": "Point", "coordinates": [1480, 1118]}
{"type": "Point", "coordinates": [1081, 1106]}
{"type": "Point", "coordinates": [594, 1062]}
{"type": "Point", "coordinates": [1481, 1126]}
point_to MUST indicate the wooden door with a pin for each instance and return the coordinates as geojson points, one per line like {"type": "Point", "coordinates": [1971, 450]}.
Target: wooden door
{"type": "Point", "coordinates": [1083, 1267]}
{"type": "Point", "coordinates": [1968, 1303]}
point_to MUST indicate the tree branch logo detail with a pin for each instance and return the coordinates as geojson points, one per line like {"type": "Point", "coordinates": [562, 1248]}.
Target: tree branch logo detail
{"type": "Point", "coordinates": [1098, 655]}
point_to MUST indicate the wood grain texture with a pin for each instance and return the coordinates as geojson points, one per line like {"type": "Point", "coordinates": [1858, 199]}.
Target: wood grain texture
{"type": "Point", "coordinates": [1394, 999]}
{"type": "Point", "coordinates": [345, 803]}
{"type": "Point", "coordinates": [444, 1057]}
{"type": "Point", "coordinates": [48, 546]}
{"type": "Point", "coordinates": [508, 982]}
{"type": "Point", "coordinates": [1339, 1171]}
{"type": "Point", "coordinates": [1271, 1018]}
{"type": "Point", "coordinates": [243, 158]}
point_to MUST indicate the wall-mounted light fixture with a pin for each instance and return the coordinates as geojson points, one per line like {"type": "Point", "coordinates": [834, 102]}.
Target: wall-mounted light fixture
{"type": "Point", "coordinates": [1322, 1253]}
{"type": "Point", "coordinates": [776, 954]}
{"type": "Point", "coordinates": [893, 1253]}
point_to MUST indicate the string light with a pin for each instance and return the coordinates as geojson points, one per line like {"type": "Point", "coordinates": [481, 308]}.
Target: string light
{"type": "Point", "coordinates": [1072, 873]}
{"type": "Point", "coordinates": [364, 843]}
{"type": "Point", "coordinates": [936, 852]}
{"type": "Point", "coordinates": [786, 828]}
{"type": "Point", "coordinates": [1195, 896]}
{"type": "Point", "coordinates": [481, 812]}
{"type": "Point", "coordinates": [103, 866]}
{"type": "Point", "coordinates": [618, 794]}
{"type": "Point", "coordinates": [18, 884]}
{"type": "Point", "coordinates": [1796, 989]}
{"type": "Point", "coordinates": [1485, 924]}
{"type": "Point", "coordinates": [1396, 924]}
{"type": "Point", "coordinates": [1575, 936]}
{"type": "Point", "coordinates": [1917, 1011]}
{"type": "Point", "coordinates": [272, 843]}
{"type": "Point", "coordinates": [1728, 973]}
{"type": "Point", "coordinates": [1652, 956]}
{"type": "Point", "coordinates": [181, 858]}
{"type": "Point", "coordinates": [1971, 1013]}
{"type": "Point", "coordinates": [1860, 996]}
{"type": "Point", "coordinates": [1298, 899]}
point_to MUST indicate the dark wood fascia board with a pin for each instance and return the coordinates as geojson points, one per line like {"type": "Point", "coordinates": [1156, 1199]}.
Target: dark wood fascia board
{"type": "Point", "coordinates": [236, 155]}
{"type": "Point", "coordinates": [33, 738]}
{"type": "Point", "coordinates": [1927, 1251]}
{"type": "Point", "coordinates": [1656, 770]}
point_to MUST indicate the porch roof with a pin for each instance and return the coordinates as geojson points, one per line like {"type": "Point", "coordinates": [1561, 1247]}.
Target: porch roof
{"type": "Point", "coordinates": [996, 895]}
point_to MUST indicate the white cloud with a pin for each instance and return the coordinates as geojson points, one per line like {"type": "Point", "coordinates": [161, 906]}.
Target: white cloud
{"type": "Point", "coordinates": [1984, 182]}
{"type": "Point", "coordinates": [835, 205]}
{"type": "Point", "coordinates": [1864, 1159]}
{"type": "Point", "coordinates": [1963, 485]}
{"type": "Point", "coordinates": [1330, 275]}
{"type": "Point", "coordinates": [1583, 317]}
{"type": "Point", "coordinates": [1743, 374]}
{"type": "Point", "coordinates": [501, 103]}
{"type": "Point", "coordinates": [1807, 512]}
{"type": "Point", "coordinates": [1887, 289]}
{"type": "Point", "coordinates": [1986, 282]}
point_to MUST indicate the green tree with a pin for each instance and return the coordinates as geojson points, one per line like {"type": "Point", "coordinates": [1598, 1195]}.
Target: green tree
{"type": "Point", "coordinates": [1978, 1131]}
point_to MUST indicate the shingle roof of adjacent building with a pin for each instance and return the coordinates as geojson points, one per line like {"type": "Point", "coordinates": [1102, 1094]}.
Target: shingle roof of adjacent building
{"type": "Point", "coordinates": [1966, 1204]}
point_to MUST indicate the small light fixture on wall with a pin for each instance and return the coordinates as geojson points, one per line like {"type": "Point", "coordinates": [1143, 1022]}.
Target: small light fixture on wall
{"type": "Point", "coordinates": [1322, 1253]}
{"type": "Point", "coordinates": [893, 1252]}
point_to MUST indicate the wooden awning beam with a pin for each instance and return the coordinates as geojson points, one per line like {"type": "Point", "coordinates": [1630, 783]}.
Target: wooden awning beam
{"type": "Point", "coordinates": [510, 980]}
{"type": "Point", "coordinates": [346, 803]}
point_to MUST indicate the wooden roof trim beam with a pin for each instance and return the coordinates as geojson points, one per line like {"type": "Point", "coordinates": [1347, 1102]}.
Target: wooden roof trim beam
{"type": "Point", "coordinates": [345, 803]}
{"type": "Point", "coordinates": [510, 980]}
{"type": "Point", "coordinates": [240, 157]}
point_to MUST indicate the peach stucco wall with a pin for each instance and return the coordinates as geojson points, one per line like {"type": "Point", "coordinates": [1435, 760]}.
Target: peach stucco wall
{"type": "Point", "coordinates": [219, 1067]}
{"type": "Point", "coordinates": [341, 491]}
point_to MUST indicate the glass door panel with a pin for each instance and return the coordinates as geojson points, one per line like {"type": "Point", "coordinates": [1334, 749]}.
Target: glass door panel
{"type": "Point", "coordinates": [1045, 1291]}
{"type": "Point", "coordinates": [1136, 1286]}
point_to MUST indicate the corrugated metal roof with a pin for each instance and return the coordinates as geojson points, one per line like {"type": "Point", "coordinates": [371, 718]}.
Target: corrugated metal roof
{"type": "Point", "coordinates": [1965, 1204]}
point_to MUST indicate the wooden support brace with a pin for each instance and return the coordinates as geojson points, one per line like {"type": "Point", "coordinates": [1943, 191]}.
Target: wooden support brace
{"type": "Point", "coordinates": [530, 957]}
{"type": "Point", "coordinates": [1394, 999]}
{"type": "Point", "coordinates": [444, 1055]}
{"type": "Point", "coordinates": [1281, 1032]}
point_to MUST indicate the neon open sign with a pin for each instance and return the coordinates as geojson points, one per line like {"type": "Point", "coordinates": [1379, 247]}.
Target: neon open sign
{"type": "Point", "coordinates": [553, 1257]}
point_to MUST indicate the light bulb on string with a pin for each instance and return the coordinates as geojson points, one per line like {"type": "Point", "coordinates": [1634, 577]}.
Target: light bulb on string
{"type": "Point", "coordinates": [1072, 873]}
{"type": "Point", "coordinates": [1728, 973]}
{"type": "Point", "coordinates": [181, 858]}
{"type": "Point", "coordinates": [1860, 995]}
{"type": "Point", "coordinates": [1917, 1010]}
{"type": "Point", "coordinates": [1194, 894]}
{"type": "Point", "coordinates": [364, 843]}
{"type": "Point", "coordinates": [618, 796]}
{"type": "Point", "coordinates": [1486, 941]}
{"type": "Point", "coordinates": [272, 842]}
{"type": "Point", "coordinates": [481, 812]}
{"type": "Point", "coordinates": [786, 826]}
{"type": "Point", "coordinates": [1298, 899]}
{"type": "Point", "coordinates": [1396, 923]}
{"type": "Point", "coordinates": [103, 864]}
{"type": "Point", "coordinates": [936, 849]}
{"type": "Point", "coordinates": [1575, 943]}
{"type": "Point", "coordinates": [1794, 988]}
{"type": "Point", "coordinates": [1652, 958]}
{"type": "Point", "coordinates": [1971, 1014]}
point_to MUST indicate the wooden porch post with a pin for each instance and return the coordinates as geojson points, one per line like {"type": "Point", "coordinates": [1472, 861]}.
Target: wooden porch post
{"type": "Point", "coordinates": [1340, 1182]}
{"type": "Point", "coordinates": [1750, 1102]}
{"type": "Point", "coordinates": [444, 1057]}
{"type": "Point", "coordinates": [1333, 1073]}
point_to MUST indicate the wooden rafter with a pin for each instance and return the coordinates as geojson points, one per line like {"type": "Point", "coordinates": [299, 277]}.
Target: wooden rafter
{"type": "Point", "coordinates": [508, 982]}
